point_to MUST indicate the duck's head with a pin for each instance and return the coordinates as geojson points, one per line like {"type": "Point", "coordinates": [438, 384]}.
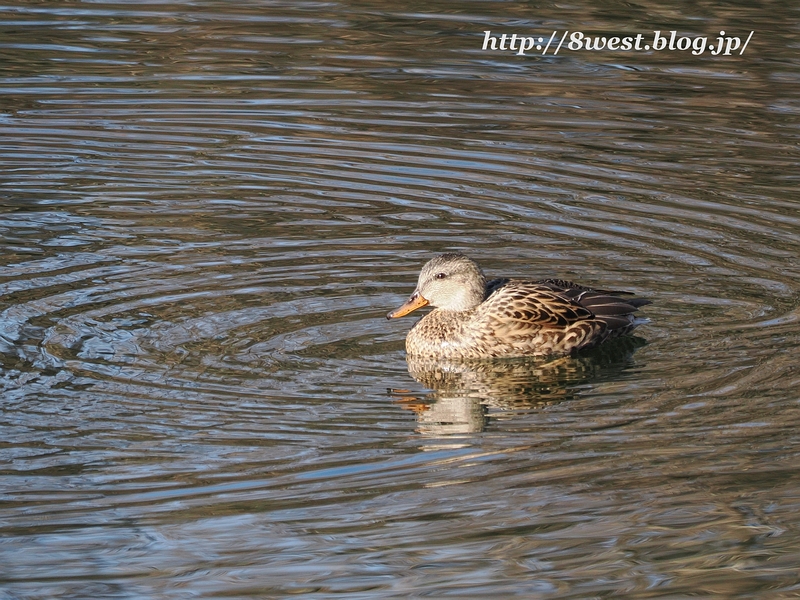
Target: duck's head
{"type": "Point", "coordinates": [450, 282]}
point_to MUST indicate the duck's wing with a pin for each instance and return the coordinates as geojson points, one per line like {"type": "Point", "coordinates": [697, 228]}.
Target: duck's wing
{"type": "Point", "coordinates": [566, 285]}
{"type": "Point", "coordinates": [563, 286]}
{"type": "Point", "coordinates": [600, 302]}
{"type": "Point", "coordinates": [520, 305]}
{"type": "Point", "coordinates": [608, 307]}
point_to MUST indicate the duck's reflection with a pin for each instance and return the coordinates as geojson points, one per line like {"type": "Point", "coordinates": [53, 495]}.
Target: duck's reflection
{"type": "Point", "coordinates": [464, 392]}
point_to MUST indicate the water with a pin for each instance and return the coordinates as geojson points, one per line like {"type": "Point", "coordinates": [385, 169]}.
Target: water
{"type": "Point", "coordinates": [207, 210]}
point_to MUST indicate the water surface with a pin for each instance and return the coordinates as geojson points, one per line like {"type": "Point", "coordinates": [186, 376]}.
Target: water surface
{"type": "Point", "coordinates": [207, 210]}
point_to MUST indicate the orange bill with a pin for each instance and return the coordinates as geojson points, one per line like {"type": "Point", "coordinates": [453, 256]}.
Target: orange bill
{"type": "Point", "coordinates": [416, 301]}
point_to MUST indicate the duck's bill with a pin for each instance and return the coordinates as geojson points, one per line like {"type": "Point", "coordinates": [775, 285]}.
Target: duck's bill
{"type": "Point", "coordinates": [416, 301]}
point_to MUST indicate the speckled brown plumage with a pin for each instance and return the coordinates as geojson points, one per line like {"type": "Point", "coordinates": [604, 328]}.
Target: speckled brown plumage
{"type": "Point", "coordinates": [509, 317]}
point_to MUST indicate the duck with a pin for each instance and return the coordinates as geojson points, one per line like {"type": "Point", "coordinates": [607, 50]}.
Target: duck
{"type": "Point", "coordinates": [476, 318]}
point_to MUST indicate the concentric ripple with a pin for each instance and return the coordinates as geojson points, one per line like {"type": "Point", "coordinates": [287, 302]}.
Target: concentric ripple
{"type": "Point", "coordinates": [207, 210]}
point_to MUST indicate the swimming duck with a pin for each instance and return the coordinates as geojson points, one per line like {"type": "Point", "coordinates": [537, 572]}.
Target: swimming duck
{"type": "Point", "coordinates": [473, 318]}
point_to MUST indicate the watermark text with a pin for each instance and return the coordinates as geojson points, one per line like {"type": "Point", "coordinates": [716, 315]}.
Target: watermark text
{"type": "Point", "coordinates": [724, 45]}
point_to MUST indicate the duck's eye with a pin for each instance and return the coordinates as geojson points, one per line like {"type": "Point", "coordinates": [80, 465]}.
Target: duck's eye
{"type": "Point", "coordinates": [441, 275]}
